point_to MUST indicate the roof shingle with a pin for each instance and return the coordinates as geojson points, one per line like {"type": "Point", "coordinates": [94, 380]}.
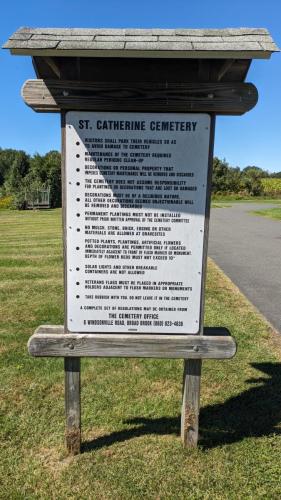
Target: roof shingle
{"type": "Point", "coordinates": [229, 42]}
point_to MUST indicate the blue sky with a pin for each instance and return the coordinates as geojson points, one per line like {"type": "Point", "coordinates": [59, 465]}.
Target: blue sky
{"type": "Point", "coordinates": [253, 139]}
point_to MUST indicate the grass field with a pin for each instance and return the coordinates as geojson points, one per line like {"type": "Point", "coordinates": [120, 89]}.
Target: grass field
{"type": "Point", "coordinates": [250, 199]}
{"type": "Point", "coordinates": [131, 408]}
{"type": "Point", "coordinates": [271, 213]}
{"type": "Point", "coordinates": [228, 201]}
{"type": "Point", "coordinates": [220, 205]}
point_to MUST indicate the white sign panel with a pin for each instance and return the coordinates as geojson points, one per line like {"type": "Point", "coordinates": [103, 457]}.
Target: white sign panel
{"type": "Point", "coordinates": [135, 210]}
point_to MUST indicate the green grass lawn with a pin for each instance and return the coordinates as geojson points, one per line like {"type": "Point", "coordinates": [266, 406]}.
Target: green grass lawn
{"type": "Point", "coordinates": [220, 205]}
{"type": "Point", "coordinates": [228, 201]}
{"type": "Point", "coordinates": [246, 199]}
{"type": "Point", "coordinates": [130, 408]}
{"type": "Point", "coordinates": [271, 213]}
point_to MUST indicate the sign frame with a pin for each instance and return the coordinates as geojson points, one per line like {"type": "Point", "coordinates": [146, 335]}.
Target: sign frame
{"type": "Point", "coordinates": [70, 222]}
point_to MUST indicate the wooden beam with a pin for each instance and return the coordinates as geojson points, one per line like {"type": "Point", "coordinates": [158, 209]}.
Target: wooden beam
{"type": "Point", "coordinates": [204, 70]}
{"type": "Point", "coordinates": [47, 96]}
{"type": "Point", "coordinates": [147, 54]}
{"type": "Point", "coordinates": [42, 67]}
{"type": "Point", "coordinates": [35, 67]}
{"type": "Point", "coordinates": [50, 61]}
{"type": "Point", "coordinates": [224, 68]}
{"type": "Point", "coordinates": [109, 69]}
{"type": "Point", "coordinates": [51, 341]}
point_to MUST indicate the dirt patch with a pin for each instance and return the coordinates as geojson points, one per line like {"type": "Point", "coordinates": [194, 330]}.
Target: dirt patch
{"type": "Point", "coordinates": [73, 440]}
{"type": "Point", "coordinates": [53, 460]}
{"type": "Point", "coordinates": [3, 349]}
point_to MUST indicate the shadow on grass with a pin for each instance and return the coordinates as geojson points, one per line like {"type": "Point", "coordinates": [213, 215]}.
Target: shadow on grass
{"type": "Point", "coordinates": [255, 412]}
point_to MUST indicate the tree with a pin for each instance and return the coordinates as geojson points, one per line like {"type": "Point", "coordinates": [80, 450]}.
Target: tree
{"type": "Point", "coordinates": [258, 170]}
{"type": "Point", "coordinates": [45, 172]}
{"type": "Point", "coordinates": [7, 157]}
{"type": "Point", "coordinates": [251, 179]}
{"type": "Point", "coordinates": [225, 178]}
{"type": "Point", "coordinates": [14, 184]}
{"type": "Point", "coordinates": [276, 175]}
{"type": "Point", "coordinates": [23, 177]}
{"type": "Point", "coordinates": [233, 180]}
{"type": "Point", "coordinates": [37, 168]}
{"type": "Point", "coordinates": [52, 165]}
{"type": "Point", "coordinates": [33, 187]}
{"type": "Point", "coordinates": [220, 168]}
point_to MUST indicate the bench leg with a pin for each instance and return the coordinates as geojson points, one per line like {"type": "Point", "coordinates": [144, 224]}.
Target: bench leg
{"type": "Point", "coordinates": [191, 402]}
{"type": "Point", "coordinates": [72, 405]}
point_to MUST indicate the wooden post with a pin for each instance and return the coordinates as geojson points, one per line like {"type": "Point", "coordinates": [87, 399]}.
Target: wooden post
{"type": "Point", "coordinates": [71, 365]}
{"type": "Point", "coordinates": [190, 402]}
{"type": "Point", "coordinates": [72, 405]}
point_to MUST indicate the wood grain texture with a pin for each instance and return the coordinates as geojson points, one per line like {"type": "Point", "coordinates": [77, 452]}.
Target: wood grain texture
{"type": "Point", "coordinates": [110, 69]}
{"type": "Point", "coordinates": [72, 405]}
{"type": "Point", "coordinates": [219, 98]}
{"type": "Point", "coordinates": [190, 402]}
{"type": "Point", "coordinates": [184, 55]}
{"type": "Point", "coordinates": [51, 341]}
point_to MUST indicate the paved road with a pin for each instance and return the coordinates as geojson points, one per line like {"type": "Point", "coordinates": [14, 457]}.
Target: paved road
{"type": "Point", "coordinates": [248, 249]}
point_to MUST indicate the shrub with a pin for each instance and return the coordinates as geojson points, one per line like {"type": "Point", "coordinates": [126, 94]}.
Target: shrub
{"type": "Point", "coordinates": [271, 186]}
{"type": "Point", "coordinates": [6, 202]}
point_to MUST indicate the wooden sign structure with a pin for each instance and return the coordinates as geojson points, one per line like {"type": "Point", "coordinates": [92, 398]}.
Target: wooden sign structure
{"type": "Point", "coordinates": [135, 211]}
{"type": "Point", "coordinates": [138, 114]}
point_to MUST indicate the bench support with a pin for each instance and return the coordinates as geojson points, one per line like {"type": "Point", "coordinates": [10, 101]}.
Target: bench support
{"type": "Point", "coordinates": [190, 402]}
{"type": "Point", "coordinates": [215, 343]}
{"type": "Point", "coordinates": [72, 405]}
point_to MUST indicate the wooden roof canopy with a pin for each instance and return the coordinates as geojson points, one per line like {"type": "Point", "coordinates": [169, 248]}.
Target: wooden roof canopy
{"type": "Point", "coordinates": [125, 69]}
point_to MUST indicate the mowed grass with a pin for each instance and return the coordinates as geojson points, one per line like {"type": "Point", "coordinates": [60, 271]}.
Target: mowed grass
{"type": "Point", "coordinates": [233, 198]}
{"type": "Point", "coordinates": [271, 213]}
{"type": "Point", "coordinates": [220, 205]}
{"type": "Point", "coordinates": [130, 407]}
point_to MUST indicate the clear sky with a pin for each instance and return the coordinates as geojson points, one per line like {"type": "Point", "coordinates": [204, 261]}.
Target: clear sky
{"type": "Point", "coordinates": [253, 139]}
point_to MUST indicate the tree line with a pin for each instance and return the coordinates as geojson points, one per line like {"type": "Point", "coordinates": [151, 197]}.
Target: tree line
{"type": "Point", "coordinates": [233, 180]}
{"type": "Point", "coordinates": [22, 176]}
